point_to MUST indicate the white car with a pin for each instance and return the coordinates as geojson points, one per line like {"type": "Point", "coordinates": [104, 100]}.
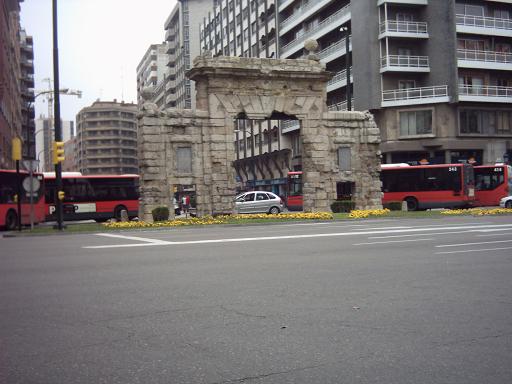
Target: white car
{"type": "Point", "coordinates": [258, 202]}
{"type": "Point", "coordinates": [506, 202]}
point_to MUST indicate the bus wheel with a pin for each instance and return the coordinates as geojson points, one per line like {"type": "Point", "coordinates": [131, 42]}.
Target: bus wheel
{"type": "Point", "coordinates": [117, 212]}
{"type": "Point", "coordinates": [11, 220]}
{"type": "Point", "coordinates": [412, 203]}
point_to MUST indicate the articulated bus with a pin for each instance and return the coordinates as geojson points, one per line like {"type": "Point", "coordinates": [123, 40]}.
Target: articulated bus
{"type": "Point", "coordinates": [492, 183]}
{"type": "Point", "coordinates": [97, 197]}
{"type": "Point", "coordinates": [429, 186]}
{"type": "Point", "coordinates": [8, 205]}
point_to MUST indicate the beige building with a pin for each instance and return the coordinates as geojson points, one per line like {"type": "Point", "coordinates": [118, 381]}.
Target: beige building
{"type": "Point", "coordinates": [106, 141]}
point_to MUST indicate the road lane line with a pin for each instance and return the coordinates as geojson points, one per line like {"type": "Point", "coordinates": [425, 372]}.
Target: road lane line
{"type": "Point", "coordinates": [152, 242]}
{"type": "Point", "coordinates": [465, 244]}
{"type": "Point", "coordinates": [493, 234]}
{"type": "Point", "coordinates": [415, 234]}
{"type": "Point", "coordinates": [473, 250]}
{"type": "Point", "coordinates": [393, 241]}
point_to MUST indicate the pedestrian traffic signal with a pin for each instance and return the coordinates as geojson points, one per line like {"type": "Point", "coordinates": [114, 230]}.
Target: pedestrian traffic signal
{"type": "Point", "coordinates": [60, 195]}
{"type": "Point", "coordinates": [58, 152]}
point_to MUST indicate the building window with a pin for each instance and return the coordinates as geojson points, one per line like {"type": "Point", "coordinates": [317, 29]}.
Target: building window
{"type": "Point", "coordinates": [414, 123]}
{"type": "Point", "coordinates": [406, 84]}
{"type": "Point", "coordinates": [485, 122]}
{"type": "Point", "coordinates": [184, 160]}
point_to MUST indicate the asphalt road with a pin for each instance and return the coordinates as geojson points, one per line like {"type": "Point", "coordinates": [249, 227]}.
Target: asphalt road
{"type": "Point", "coordinates": [375, 301]}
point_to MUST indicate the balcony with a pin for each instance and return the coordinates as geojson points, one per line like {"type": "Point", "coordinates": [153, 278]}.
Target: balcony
{"type": "Point", "coordinates": [468, 58]}
{"type": "Point", "coordinates": [401, 63]}
{"type": "Point", "coordinates": [330, 23]}
{"type": "Point", "coordinates": [415, 96]}
{"type": "Point", "coordinates": [339, 80]}
{"type": "Point", "coordinates": [343, 106]}
{"type": "Point", "coordinates": [484, 25]}
{"type": "Point", "coordinates": [334, 51]}
{"type": "Point", "coordinates": [485, 93]}
{"type": "Point", "coordinates": [407, 29]}
{"type": "Point", "coordinates": [289, 125]}
{"type": "Point", "coordinates": [415, 2]}
{"type": "Point", "coordinates": [302, 14]}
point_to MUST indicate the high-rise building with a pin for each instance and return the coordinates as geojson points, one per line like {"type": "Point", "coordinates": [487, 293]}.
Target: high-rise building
{"type": "Point", "coordinates": [437, 75]}
{"type": "Point", "coordinates": [151, 73]}
{"type": "Point", "coordinates": [182, 37]}
{"type": "Point", "coordinates": [27, 95]}
{"type": "Point", "coordinates": [106, 140]}
{"type": "Point", "coordinates": [44, 137]}
{"type": "Point", "coordinates": [16, 83]}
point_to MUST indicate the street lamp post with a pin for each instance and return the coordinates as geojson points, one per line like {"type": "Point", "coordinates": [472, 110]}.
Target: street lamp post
{"type": "Point", "coordinates": [346, 29]}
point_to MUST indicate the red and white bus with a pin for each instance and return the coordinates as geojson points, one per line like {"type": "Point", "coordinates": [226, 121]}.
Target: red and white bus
{"type": "Point", "coordinates": [294, 200]}
{"type": "Point", "coordinates": [8, 206]}
{"type": "Point", "coordinates": [492, 183]}
{"type": "Point", "coordinates": [429, 186]}
{"type": "Point", "coordinates": [97, 197]}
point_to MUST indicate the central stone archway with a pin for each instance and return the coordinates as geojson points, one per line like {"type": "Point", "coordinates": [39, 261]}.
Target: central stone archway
{"type": "Point", "coordinates": [230, 87]}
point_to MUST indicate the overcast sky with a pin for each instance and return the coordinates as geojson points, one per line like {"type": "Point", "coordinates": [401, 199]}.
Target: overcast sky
{"type": "Point", "coordinates": [101, 42]}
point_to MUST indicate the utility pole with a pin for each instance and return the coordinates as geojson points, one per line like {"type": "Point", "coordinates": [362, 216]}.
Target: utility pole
{"type": "Point", "coordinates": [58, 134]}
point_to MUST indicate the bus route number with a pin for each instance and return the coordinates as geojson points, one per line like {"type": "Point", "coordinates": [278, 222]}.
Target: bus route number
{"type": "Point", "coordinates": [452, 169]}
{"type": "Point", "coordinates": [498, 170]}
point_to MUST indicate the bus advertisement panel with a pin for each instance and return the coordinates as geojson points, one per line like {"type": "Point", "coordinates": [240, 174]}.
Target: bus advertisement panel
{"type": "Point", "coordinates": [492, 183]}
{"type": "Point", "coordinates": [8, 194]}
{"type": "Point", "coordinates": [97, 197]}
{"type": "Point", "coordinates": [429, 186]}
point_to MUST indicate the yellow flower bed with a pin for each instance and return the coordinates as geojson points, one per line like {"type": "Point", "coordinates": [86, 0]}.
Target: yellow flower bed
{"type": "Point", "coordinates": [209, 220]}
{"type": "Point", "coordinates": [477, 211]}
{"type": "Point", "coordinates": [363, 213]}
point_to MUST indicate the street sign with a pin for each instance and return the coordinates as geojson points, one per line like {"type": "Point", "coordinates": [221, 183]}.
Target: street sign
{"type": "Point", "coordinates": [31, 165]}
{"type": "Point", "coordinates": [31, 184]}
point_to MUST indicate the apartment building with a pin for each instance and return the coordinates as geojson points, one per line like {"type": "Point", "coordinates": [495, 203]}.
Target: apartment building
{"type": "Point", "coordinates": [16, 82]}
{"type": "Point", "coordinates": [27, 95]}
{"type": "Point", "coordinates": [183, 45]}
{"type": "Point", "coordinates": [151, 73]}
{"type": "Point", "coordinates": [44, 137]}
{"type": "Point", "coordinates": [106, 140]}
{"type": "Point", "coordinates": [436, 74]}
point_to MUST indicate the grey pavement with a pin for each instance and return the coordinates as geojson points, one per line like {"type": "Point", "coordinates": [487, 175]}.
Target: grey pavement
{"type": "Point", "coordinates": [373, 301]}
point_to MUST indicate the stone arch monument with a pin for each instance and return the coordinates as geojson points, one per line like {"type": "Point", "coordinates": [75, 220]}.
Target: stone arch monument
{"type": "Point", "coordinates": [196, 148]}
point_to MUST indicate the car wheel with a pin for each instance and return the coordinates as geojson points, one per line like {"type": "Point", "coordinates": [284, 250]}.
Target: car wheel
{"type": "Point", "coordinates": [11, 220]}
{"type": "Point", "coordinates": [274, 210]}
{"type": "Point", "coordinates": [412, 203]}
{"type": "Point", "coordinates": [117, 212]}
{"type": "Point", "coordinates": [508, 204]}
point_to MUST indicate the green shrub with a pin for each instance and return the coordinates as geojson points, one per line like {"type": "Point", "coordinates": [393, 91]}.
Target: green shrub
{"type": "Point", "coordinates": [160, 214]}
{"type": "Point", "coordinates": [393, 205]}
{"type": "Point", "coordinates": [343, 206]}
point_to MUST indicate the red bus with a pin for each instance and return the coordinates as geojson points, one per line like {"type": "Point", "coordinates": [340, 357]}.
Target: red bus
{"type": "Point", "coordinates": [97, 197]}
{"type": "Point", "coordinates": [294, 200]}
{"type": "Point", "coordinates": [492, 183]}
{"type": "Point", "coordinates": [9, 206]}
{"type": "Point", "coordinates": [429, 186]}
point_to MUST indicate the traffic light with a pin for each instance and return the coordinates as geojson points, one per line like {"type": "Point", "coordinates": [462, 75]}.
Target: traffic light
{"type": "Point", "coordinates": [60, 195]}
{"type": "Point", "coordinates": [16, 148]}
{"type": "Point", "coordinates": [58, 152]}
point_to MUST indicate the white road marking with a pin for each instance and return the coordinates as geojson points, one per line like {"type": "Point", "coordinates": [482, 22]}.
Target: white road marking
{"type": "Point", "coordinates": [493, 234]}
{"type": "Point", "coordinates": [152, 242]}
{"type": "Point", "coordinates": [465, 244]}
{"type": "Point", "coordinates": [393, 241]}
{"type": "Point", "coordinates": [473, 250]}
{"type": "Point", "coordinates": [415, 234]}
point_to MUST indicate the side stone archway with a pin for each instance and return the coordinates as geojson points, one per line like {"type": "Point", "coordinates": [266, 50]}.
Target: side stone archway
{"type": "Point", "coordinates": [195, 148]}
